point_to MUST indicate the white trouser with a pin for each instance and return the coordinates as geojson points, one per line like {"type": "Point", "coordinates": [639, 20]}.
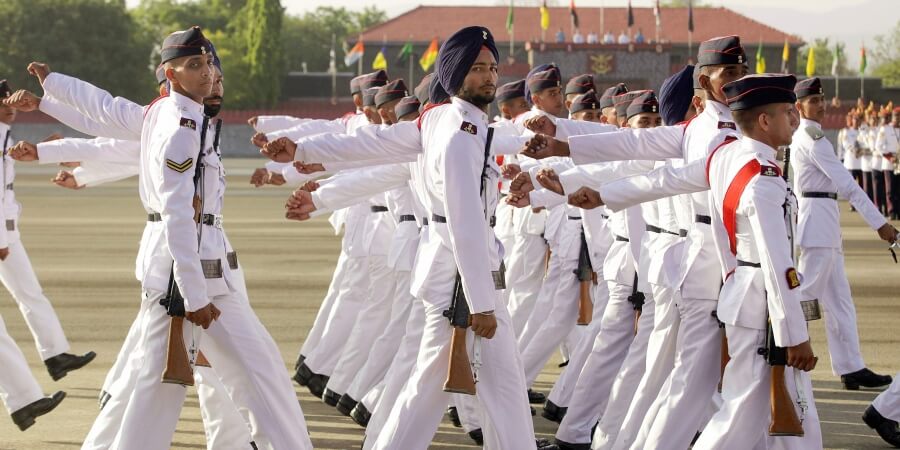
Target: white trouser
{"type": "Point", "coordinates": [824, 278]}
{"type": "Point", "coordinates": [468, 411]}
{"type": "Point", "coordinates": [18, 276]}
{"type": "Point", "coordinates": [681, 408]}
{"type": "Point", "coordinates": [526, 268]}
{"type": "Point", "coordinates": [224, 425]}
{"type": "Point", "coordinates": [554, 326]}
{"type": "Point", "coordinates": [18, 387]}
{"type": "Point", "coordinates": [501, 389]}
{"type": "Point", "coordinates": [660, 359]}
{"type": "Point", "coordinates": [543, 304]}
{"type": "Point", "coordinates": [315, 333]}
{"type": "Point", "coordinates": [630, 378]}
{"type": "Point", "coordinates": [370, 323]}
{"type": "Point", "coordinates": [119, 365]}
{"type": "Point", "coordinates": [607, 355]}
{"type": "Point", "coordinates": [380, 400]}
{"type": "Point", "coordinates": [561, 394]}
{"type": "Point", "coordinates": [351, 297]}
{"type": "Point", "coordinates": [240, 349]}
{"type": "Point", "coordinates": [744, 416]}
{"type": "Point", "coordinates": [385, 346]}
{"type": "Point", "coordinates": [888, 402]}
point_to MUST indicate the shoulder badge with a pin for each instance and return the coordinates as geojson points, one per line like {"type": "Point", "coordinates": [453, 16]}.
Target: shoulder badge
{"type": "Point", "coordinates": [727, 125]}
{"type": "Point", "coordinates": [814, 133]}
{"type": "Point", "coordinates": [469, 127]}
{"type": "Point", "coordinates": [769, 171]}
{"type": "Point", "coordinates": [182, 166]}
{"type": "Point", "coordinates": [793, 279]}
{"type": "Point", "coordinates": [188, 123]}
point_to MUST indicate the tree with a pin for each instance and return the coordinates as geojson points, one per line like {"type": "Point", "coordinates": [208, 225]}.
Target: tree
{"type": "Point", "coordinates": [310, 35]}
{"type": "Point", "coordinates": [886, 57]}
{"type": "Point", "coordinates": [824, 58]}
{"type": "Point", "coordinates": [95, 40]}
{"type": "Point", "coordinates": [264, 54]}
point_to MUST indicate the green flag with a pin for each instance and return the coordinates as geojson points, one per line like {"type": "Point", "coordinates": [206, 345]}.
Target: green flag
{"type": "Point", "coordinates": [405, 52]}
{"type": "Point", "coordinates": [510, 17]}
{"type": "Point", "coordinates": [862, 61]}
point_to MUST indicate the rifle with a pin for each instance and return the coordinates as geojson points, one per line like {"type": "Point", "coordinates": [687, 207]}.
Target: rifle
{"type": "Point", "coordinates": [785, 421]}
{"type": "Point", "coordinates": [460, 376]}
{"type": "Point", "coordinates": [586, 277]}
{"type": "Point", "coordinates": [178, 363]}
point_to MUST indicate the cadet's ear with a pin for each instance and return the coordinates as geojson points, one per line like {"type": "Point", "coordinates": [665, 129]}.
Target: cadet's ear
{"type": "Point", "coordinates": [705, 82]}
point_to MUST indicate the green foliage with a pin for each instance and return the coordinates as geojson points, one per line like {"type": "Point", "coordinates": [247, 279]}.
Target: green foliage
{"type": "Point", "coordinates": [308, 38]}
{"type": "Point", "coordinates": [94, 40]}
{"type": "Point", "coordinates": [824, 58]}
{"type": "Point", "coordinates": [264, 57]}
{"type": "Point", "coordinates": [886, 57]}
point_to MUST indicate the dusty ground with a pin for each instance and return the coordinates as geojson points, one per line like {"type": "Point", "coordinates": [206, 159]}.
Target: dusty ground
{"type": "Point", "coordinates": [83, 244]}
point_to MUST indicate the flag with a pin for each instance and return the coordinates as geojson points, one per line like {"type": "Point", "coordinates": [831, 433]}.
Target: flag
{"type": "Point", "coordinates": [545, 16]}
{"type": "Point", "coordinates": [354, 54]}
{"type": "Point", "coordinates": [811, 62]}
{"type": "Point", "coordinates": [405, 52]}
{"type": "Point", "coordinates": [630, 15]}
{"type": "Point", "coordinates": [760, 59]}
{"type": "Point", "coordinates": [836, 61]}
{"type": "Point", "coordinates": [430, 56]}
{"type": "Point", "coordinates": [691, 16]}
{"type": "Point", "coordinates": [656, 13]}
{"type": "Point", "coordinates": [785, 55]}
{"type": "Point", "coordinates": [509, 18]}
{"type": "Point", "coordinates": [380, 61]}
{"type": "Point", "coordinates": [573, 14]}
{"type": "Point", "coordinates": [862, 60]}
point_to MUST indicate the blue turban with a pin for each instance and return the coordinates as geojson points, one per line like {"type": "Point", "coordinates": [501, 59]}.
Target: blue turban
{"type": "Point", "coordinates": [216, 61]}
{"type": "Point", "coordinates": [675, 95]}
{"type": "Point", "coordinates": [436, 93]}
{"type": "Point", "coordinates": [534, 71]}
{"type": "Point", "coordinates": [458, 53]}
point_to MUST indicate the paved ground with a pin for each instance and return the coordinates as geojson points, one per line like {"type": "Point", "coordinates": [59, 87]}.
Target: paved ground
{"type": "Point", "coordinates": [83, 244]}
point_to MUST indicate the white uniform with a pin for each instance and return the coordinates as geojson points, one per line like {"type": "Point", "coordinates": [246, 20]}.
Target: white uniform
{"type": "Point", "coordinates": [16, 272]}
{"type": "Point", "coordinates": [271, 123]}
{"type": "Point", "coordinates": [819, 179]}
{"type": "Point", "coordinates": [453, 141]}
{"type": "Point", "coordinates": [888, 402]}
{"type": "Point", "coordinates": [847, 148]}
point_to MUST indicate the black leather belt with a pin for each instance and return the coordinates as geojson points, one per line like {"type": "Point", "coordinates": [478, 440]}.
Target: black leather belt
{"type": "Point", "coordinates": [407, 218]}
{"type": "Point", "coordinates": [748, 264]}
{"type": "Point", "coordinates": [441, 219]}
{"type": "Point", "coordinates": [831, 195]}
{"type": "Point", "coordinates": [154, 217]}
{"type": "Point", "coordinates": [574, 218]}
{"type": "Point", "coordinates": [604, 216]}
{"type": "Point", "coordinates": [682, 232]}
{"type": "Point", "coordinates": [621, 239]}
{"type": "Point", "coordinates": [10, 225]}
{"type": "Point", "coordinates": [424, 221]}
{"type": "Point", "coordinates": [9, 186]}
{"type": "Point", "coordinates": [378, 209]}
{"type": "Point", "coordinates": [658, 230]}
{"type": "Point", "coordinates": [700, 218]}
{"type": "Point", "coordinates": [213, 220]}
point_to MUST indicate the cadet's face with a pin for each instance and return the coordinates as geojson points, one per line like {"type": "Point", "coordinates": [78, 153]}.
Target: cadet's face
{"type": "Point", "coordinates": [812, 107]}
{"type": "Point", "coordinates": [512, 108]}
{"type": "Point", "coordinates": [569, 99]}
{"type": "Point", "coordinates": [720, 76]}
{"type": "Point", "coordinates": [372, 114]}
{"type": "Point", "coordinates": [7, 114]}
{"type": "Point", "coordinates": [610, 115]}
{"type": "Point", "coordinates": [549, 100]}
{"type": "Point", "coordinates": [480, 83]}
{"type": "Point", "coordinates": [779, 123]}
{"type": "Point", "coordinates": [645, 120]}
{"type": "Point", "coordinates": [192, 76]}
{"type": "Point", "coordinates": [588, 115]}
{"type": "Point", "coordinates": [357, 100]}
{"type": "Point", "coordinates": [386, 111]}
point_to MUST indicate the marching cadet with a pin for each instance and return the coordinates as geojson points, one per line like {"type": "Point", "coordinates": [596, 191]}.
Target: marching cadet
{"type": "Point", "coordinates": [866, 156]}
{"type": "Point", "coordinates": [887, 144]}
{"type": "Point", "coordinates": [16, 271]}
{"type": "Point", "coordinates": [846, 141]}
{"type": "Point", "coordinates": [607, 106]}
{"type": "Point", "coordinates": [578, 85]}
{"type": "Point", "coordinates": [720, 61]}
{"type": "Point", "coordinates": [819, 179]}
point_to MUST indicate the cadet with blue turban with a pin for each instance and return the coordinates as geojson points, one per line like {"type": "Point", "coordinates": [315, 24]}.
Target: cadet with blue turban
{"type": "Point", "coordinates": [676, 97]}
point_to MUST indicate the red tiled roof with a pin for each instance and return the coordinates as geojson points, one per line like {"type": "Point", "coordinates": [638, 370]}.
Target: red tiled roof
{"type": "Point", "coordinates": [427, 22]}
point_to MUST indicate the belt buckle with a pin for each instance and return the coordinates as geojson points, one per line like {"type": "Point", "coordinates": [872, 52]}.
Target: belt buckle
{"type": "Point", "coordinates": [811, 309]}
{"type": "Point", "coordinates": [499, 277]}
{"type": "Point", "coordinates": [10, 225]}
{"type": "Point", "coordinates": [217, 221]}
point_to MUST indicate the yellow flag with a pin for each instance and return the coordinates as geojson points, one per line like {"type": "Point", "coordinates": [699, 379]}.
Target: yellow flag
{"type": "Point", "coordinates": [430, 56]}
{"type": "Point", "coordinates": [786, 53]}
{"type": "Point", "coordinates": [545, 17]}
{"type": "Point", "coordinates": [380, 61]}
{"type": "Point", "coordinates": [811, 62]}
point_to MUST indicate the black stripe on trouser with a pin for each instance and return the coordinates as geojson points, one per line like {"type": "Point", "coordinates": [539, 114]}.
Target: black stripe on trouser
{"type": "Point", "coordinates": [441, 219]}
{"type": "Point", "coordinates": [831, 195]}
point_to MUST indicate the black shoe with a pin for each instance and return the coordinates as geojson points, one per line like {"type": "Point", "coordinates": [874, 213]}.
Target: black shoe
{"type": "Point", "coordinates": [542, 442]}
{"type": "Point", "coordinates": [553, 412]}
{"type": "Point", "coordinates": [864, 378]}
{"type": "Point", "coordinates": [253, 445]}
{"type": "Point", "coordinates": [563, 364]}
{"type": "Point", "coordinates": [104, 397]}
{"type": "Point", "coordinates": [536, 398]}
{"type": "Point", "coordinates": [346, 404]}
{"type": "Point", "coordinates": [63, 363]}
{"type": "Point", "coordinates": [330, 397]}
{"type": "Point", "coordinates": [477, 436]}
{"type": "Point", "coordinates": [361, 415]}
{"type": "Point", "coordinates": [533, 412]}
{"type": "Point", "coordinates": [885, 427]}
{"type": "Point", "coordinates": [316, 385]}
{"type": "Point", "coordinates": [302, 374]}
{"type": "Point", "coordinates": [454, 416]}
{"type": "Point", "coordinates": [299, 362]}
{"type": "Point", "coordinates": [24, 417]}
{"type": "Point", "coordinates": [563, 445]}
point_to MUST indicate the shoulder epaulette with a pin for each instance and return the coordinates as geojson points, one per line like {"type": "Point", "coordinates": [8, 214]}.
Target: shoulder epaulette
{"type": "Point", "coordinates": [814, 133]}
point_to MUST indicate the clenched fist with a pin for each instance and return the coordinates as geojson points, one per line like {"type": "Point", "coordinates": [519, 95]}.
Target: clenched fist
{"type": "Point", "coordinates": [65, 179]}
{"type": "Point", "coordinates": [299, 205]}
{"type": "Point", "coordinates": [541, 124]}
{"type": "Point", "coordinates": [521, 184]}
{"type": "Point", "coordinates": [23, 100]}
{"type": "Point", "coordinates": [280, 150]}
{"type": "Point", "coordinates": [40, 70]}
{"type": "Point", "coordinates": [585, 198]}
{"type": "Point", "coordinates": [541, 146]}
{"type": "Point", "coordinates": [24, 151]}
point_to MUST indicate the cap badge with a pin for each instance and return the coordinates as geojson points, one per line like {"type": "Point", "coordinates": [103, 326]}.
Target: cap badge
{"type": "Point", "coordinates": [740, 59]}
{"type": "Point", "coordinates": [484, 34]}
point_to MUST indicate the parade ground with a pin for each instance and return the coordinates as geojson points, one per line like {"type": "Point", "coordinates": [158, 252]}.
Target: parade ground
{"type": "Point", "coordinates": [83, 245]}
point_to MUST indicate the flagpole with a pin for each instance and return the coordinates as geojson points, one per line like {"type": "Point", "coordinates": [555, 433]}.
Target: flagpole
{"type": "Point", "coordinates": [333, 69]}
{"type": "Point", "coordinates": [412, 82]}
{"type": "Point", "coordinates": [512, 42]}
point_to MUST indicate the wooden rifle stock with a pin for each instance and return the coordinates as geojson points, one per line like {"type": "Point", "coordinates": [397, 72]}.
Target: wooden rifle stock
{"type": "Point", "coordinates": [784, 417]}
{"type": "Point", "coordinates": [725, 357]}
{"type": "Point", "coordinates": [201, 360]}
{"type": "Point", "coordinates": [459, 374]}
{"type": "Point", "coordinates": [585, 305]}
{"type": "Point", "coordinates": [178, 365]}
